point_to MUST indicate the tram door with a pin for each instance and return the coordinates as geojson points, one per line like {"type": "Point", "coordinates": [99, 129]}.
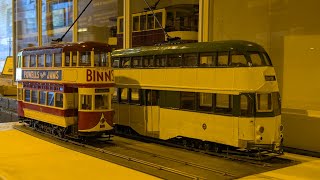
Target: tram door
{"type": "Point", "coordinates": [246, 119]}
{"type": "Point", "coordinates": [152, 113]}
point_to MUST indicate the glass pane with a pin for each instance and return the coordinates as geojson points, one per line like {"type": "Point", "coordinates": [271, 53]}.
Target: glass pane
{"type": "Point", "coordinates": [27, 96]}
{"type": "Point", "coordinates": [57, 60]}
{"type": "Point", "coordinates": [33, 60]}
{"type": "Point", "coordinates": [42, 99]}
{"type": "Point", "coordinates": [152, 97]}
{"type": "Point", "coordinates": [48, 60]}
{"type": "Point", "coordinates": [86, 102]}
{"type": "Point", "coordinates": [67, 59]}
{"type": "Point", "coordinates": [59, 100]}
{"type": "Point", "coordinates": [190, 60]}
{"type": "Point", "coordinates": [207, 59]}
{"type": "Point", "coordinates": [124, 95]}
{"type": "Point", "coordinates": [101, 101]}
{"type": "Point", "coordinates": [135, 23]}
{"type": "Point", "coordinates": [264, 102]}
{"type": "Point", "coordinates": [57, 16]}
{"type": "Point", "coordinates": [115, 95]}
{"type": "Point", "coordinates": [150, 24]}
{"type": "Point", "coordinates": [256, 59]}
{"type": "Point", "coordinates": [41, 60]}
{"type": "Point", "coordinates": [143, 25]}
{"type": "Point", "coordinates": [238, 60]}
{"type": "Point", "coordinates": [205, 101]}
{"type": "Point", "coordinates": [159, 17]}
{"type": "Point", "coordinates": [34, 98]}
{"type": "Point", "coordinates": [223, 58]}
{"type": "Point", "coordinates": [174, 61]}
{"type": "Point", "coordinates": [85, 59]}
{"type": "Point", "coordinates": [50, 99]}
{"type": "Point", "coordinates": [26, 61]}
{"type": "Point", "coordinates": [135, 96]}
{"type": "Point", "coordinates": [188, 100]}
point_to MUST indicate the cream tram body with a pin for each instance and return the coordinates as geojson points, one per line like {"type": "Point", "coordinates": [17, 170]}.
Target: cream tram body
{"type": "Point", "coordinates": [66, 88]}
{"type": "Point", "coordinates": [206, 94]}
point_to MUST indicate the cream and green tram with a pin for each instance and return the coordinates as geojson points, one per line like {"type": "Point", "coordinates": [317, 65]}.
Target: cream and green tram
{"type": "Point", "coordinates": [209, 95]}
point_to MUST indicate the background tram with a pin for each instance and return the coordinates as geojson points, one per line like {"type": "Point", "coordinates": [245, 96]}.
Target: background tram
{"type": "Point", "coordinates": [66, 88]}
{"type": "Point", "coordinates": [178, 21]}
{"type": "Point", "coordinates": [209, 95]}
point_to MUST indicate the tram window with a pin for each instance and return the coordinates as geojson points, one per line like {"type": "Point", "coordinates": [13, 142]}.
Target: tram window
{"type": "Point", "coordinates": [135, 23]}
{"type": "Point", "coordinates": [190, 60]}
{"type": "Point", "coordinates": [26, 61]}
{"type": "Point", "coordinates": [48, 60]}
{"type": "Point", "coordinates": [205, 102]}
{"type": "Point", "coordinates": [20, 94]}
{"type": "Point", "coordinates": [34, 96]}
{"type": "Point", "coordinates": [148, 61]}
{"type": "Point", "coordinates": [223, 58]}
{"type": "Point", "coordinates": [276, 101]}
{"type": "Point", "coordinates": [170, 21]}
{"type": "Point", "coordinates": [266, 59]}
{"type": "Point", "coordinates": [57, 60]}
{"type": "Point", "coordinates": [115, 63]}
{"type": "Point", "coordinates": [246, 105]}
{"type": "Point", "coordinates": [33, 60]}
{"type": "Point", "coordinates": [59, 100]}
{"type": "Point", "coordinates": [27, 95]}
{"type": "Point", "coordinates": [67, 59]}
{"type": "Point", "coordinates": [100, 59]}
{"type": "Point", "coordinates": [188, 100]}
{"type": "Point", "coordinates": [174, 60]}
{"type": "Point", "coordinates": [86, 102]}
{"type": "Point", "coordinates": [159, 17]}
{"type": "Point", "coordinates": [223, 104]}
{"type": "Point", "coordinates": [42, 98]}
{"type": "Point", "coordinates": [152, 98]}
{"type": "Point", "coordinates": [264, 103]}
{"type": "Point", "coordinates": [101, 101]}
{"type": "Point", "coordinates": [143, 25]}
{"type": "Point", "coordinates": [115, 97]}
{"type": "Point", "coordinates": [150, 24]}
{"type": "Point", "coordinates": [85, 59]}
{"type": "Point", "coordinates": [238, 59]}
{"type": "Point", "coordinates": [256, 59]}
{"type": "Point", "coordinates": [50, 99]}
{"type": "Point", "coordinates": [124, 95]}
{"type": "Point", "coordinates": [125, 62]}
{"type": "Point", "coordinates": [74, 58]}
{"type": "Point", "coordinates": [169, 99]}
{"type": "Point", "coordinates": [120, 25]}
{"type": "Point", "coordinates": [134, 96]}
{"type": "Point", "coordinates": [207, 59]}
{"type": "Point", "coordinates": [41, 60]}
{"type": "Point", "coordinates": [136, 61]}
{"type": "Point", "coordinates": [160, 61]}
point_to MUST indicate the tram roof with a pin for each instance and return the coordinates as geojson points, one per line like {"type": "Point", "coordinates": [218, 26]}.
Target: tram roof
{"type": "Point", "coordinates": [233, 45]}
{"type": "Point", "coordinates": [67, 47]}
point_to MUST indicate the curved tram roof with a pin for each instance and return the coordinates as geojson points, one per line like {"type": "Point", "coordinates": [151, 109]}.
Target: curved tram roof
{"type": "Point", "coordinates": [67, 47]}
{"type": "Point", "coordinates": [236, 45]}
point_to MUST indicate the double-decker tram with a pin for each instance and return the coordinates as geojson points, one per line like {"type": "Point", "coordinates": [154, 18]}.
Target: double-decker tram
{"type": "Point", "coordinates": [209, 95]}
{"type": "Point", "coordinates": [178, 20]}
{"type": "Point", "coordinates": [66, 88]}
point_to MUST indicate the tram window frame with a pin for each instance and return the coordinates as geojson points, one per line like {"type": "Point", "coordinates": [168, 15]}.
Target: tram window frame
{"type": "Point", "coordinates": [269, 104]}
{"type": "Point", "coordinates": [26, 61]}
{"type": "Point", "coordinates": [201, 105]}
{"type": "Point", "coordinates": [34, 96]}
{"type": "Point", "coordinates": [84, 58]}
{"type": "Point", "coordinates": [158, 15]}
{"type": "Point", "coordinates": [136, 62]}
{"type": "Point", "coordinates": [190, 57]}
{"type": "Point", "coordinates": [148, 61]}
{"type": "Point", "coordinates": [57, 60]}
{"type": "Point", "coordinates": [42, 97]}
{"type": "Point", "coordinates": [125, 62]}
{"type": "Point", "coordinates": [67, 59]}
{"type": "Point", "coordinates": [115, 95]}
{"type": "Point", "coordinates": [100, 59]}
{"type": "Point", "coordinates": [246, 108]}
{"type": "Point", "coordinates": [86, 102]}
{"type": "Point", "coordinates": [120, 25]}
{"type": "Point", "coordinates": [27, 95]}
{"type": "Point", "coordinates": [49, 58]}
{"type": "Point", "coordinates": [150, 21]}
{"type": "Point", "coordinates": [143, 22]}
{"type": "Point", "coordinates": [236, 57]}
{"type": "Point", "coordinates": [41, 60]}
{"type": "Point", "coordinates": [132, 99]}
{"type": "Point", "coordinates": [160, 60]}
{"type": "Point", "coordinates": [188, 100]}
{"type": "Point", "coordinates": [135, 23]}
{"type": "Point", "coordinates": [116, 62]}
{"type": "Point", "coordinates": [174, 60]}
{"type": "Point", "coordinates": [103, 104]}
{"type": "Point", "coordinates": [50, 99]}
{"type": "Point", "coordinates": [152, 97]}
{"type": "Point", "coordinates": [58, 100]}
{"type": "Point", "coordinates": [33, 61]}
{"type": "Point", "coordinates": [124, 95]}
{"type": "Point", "coordinates": [220, 105]}
{"type": "Point", "coordinates": [75, 58]}
{"type": "Point", "coordinates": [213, 59]}
{"type": "Point", "coordinates": [221, 57]}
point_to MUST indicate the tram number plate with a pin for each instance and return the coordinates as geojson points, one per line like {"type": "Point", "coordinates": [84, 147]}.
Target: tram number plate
{"type": "Point", "coordinates": [102, 126]}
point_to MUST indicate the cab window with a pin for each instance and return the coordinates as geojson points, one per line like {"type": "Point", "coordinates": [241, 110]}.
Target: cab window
{"type": "Point", "coordinates": [86, 102]}
{"type": "Point", "coordinates": [101, 101]}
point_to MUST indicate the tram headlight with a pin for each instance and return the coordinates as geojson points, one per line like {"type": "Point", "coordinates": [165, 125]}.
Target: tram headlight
{"type": "Point", "coordinates": [260, 129]}
{"type": "Point", "coordinates": [281, 128]}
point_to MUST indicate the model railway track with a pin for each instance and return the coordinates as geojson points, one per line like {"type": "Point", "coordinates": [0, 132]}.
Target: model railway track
{"type": "Point", "coordinates": [140, 161]}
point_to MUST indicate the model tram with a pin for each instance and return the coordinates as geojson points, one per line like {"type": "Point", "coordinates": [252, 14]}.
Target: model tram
{"type": "Point", "coordinates": [178, 21]}
{"type": "Point", "coordinates": [66, 88]}
{"type": "Point", "coordinates": [210, 95]}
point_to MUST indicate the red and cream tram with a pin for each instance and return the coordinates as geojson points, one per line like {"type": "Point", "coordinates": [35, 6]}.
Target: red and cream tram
{"type": "Point", "coordinates": [66, 88]}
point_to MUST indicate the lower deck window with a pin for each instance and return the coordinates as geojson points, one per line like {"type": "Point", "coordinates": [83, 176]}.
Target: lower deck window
{"type": "Point", "coordinates": [205, 102]}
{"type": "Point", "coordinates": [42, 98]}
{"type": "Point", "coordinates": [101, 101]}
{"type": "Point", "coordinates": [27, 96]}
{"type": "Point", "coordinates": [223, 103]}
{"type": "Point", "coordinates": [135, 96]}
{"type": "Point", "coordinates": [86, 102]}
{"type": "Point", "coordinates": [34, 98]}
{"type": "Point", "coordinates": [188, 100]}
{"type": "Point", "coordinates": [50, 99]}
{"type": "Point", "coordinates": [59, 100]}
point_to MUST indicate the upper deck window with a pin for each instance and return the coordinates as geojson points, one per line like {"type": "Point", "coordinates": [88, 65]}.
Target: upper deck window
{"type": "Point", "coordinates": [223, 58]}
{"type": "Point", "coordinates": [148, 61]}
{"type": "Point", "coordinates": [33, 59]}
{"type": "Point", "coordinates": [125, 62]}
{"type": "Point", "coordinates": [150, 24]}
{"type": "Point", "coordinates": [41, 60]}
{"type": "Point", "coordinates": [259, 59]}
{"type": "Point", "coordinates": [26, 61]}
{"type": "Point", "coordinates": [135, 23]}
{"type": "Point", "coordinates": [208, 59]}
{"type": "Point", "coordinates": [57, 60]}
{"type": "Point", "coordinates": [121, 25]}
{"type": "Point", "coordinates": [174, 60]}
{"type": "Point", "coordinates": [100, 59]}
{"type": "Point", "coordinates": [190, 60]}
{"type": "Point", "coordinates": [48, 60]}
{"type": "Point", "coordinates": [67, 59]}
{"type": "Point", "coordinates": [85, 59]}
{"type": "Point", "coordinates": [238, 59]}
{"type": "Point", "coordinates": [143, 22]}
{"type": "Point", "coordinates": [136, 62]}
{"type": "Point", "coordinates": [160, 61]}
{"type": "Point", "coordinates": [159, 17]}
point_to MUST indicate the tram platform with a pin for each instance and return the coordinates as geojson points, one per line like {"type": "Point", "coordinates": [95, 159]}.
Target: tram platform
{"type": "Point", "coordinates": [25, 157]}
